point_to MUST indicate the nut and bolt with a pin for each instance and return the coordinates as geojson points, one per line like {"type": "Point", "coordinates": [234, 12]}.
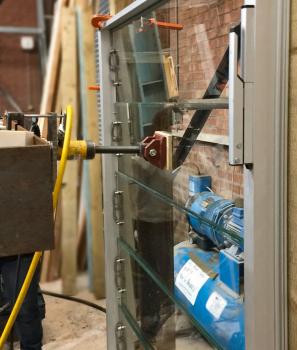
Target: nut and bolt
{"type": "Point", "coordinates": [153, 152]}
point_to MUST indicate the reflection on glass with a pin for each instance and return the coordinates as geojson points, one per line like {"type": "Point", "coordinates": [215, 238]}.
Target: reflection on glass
{"type": "Point", "coordinates": [183, 210]}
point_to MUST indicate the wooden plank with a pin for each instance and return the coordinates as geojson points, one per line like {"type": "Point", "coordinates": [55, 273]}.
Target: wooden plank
{"type": "Point", "coordinates": [117, 5]}
{"type": "Point", "coordinates": [69, 94]}
{"type": "Point", "coordinates": [50, 81]}
{"type": "Point", "coordinates": [92, 173]}
{"type": "Point", "coordinates": [169, 150]}
{"type": "Point", "coordinates": [170, 77]}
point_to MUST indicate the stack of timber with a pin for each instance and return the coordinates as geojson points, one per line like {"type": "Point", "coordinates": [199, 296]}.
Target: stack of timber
{"type": "Point", "coordinates": [79, 217]}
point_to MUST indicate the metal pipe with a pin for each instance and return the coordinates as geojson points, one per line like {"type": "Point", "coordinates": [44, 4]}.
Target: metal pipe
{"type": "Point", "coordinates": [117, 149]}
{"type": "Point", "coordinates": [205, 103]}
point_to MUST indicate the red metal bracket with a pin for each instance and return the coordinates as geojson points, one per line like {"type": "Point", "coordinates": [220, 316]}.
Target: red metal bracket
{"type": "Point", "coordinates": [154, 150]}
{"type": "Point", "coordinates": [98, 19]}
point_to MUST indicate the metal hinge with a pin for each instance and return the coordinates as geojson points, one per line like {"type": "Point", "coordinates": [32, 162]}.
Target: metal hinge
{"type": "Point", "coordinates": [241, 89]}
{"type": "Point", "coordinates": [118, 207]}
{"type": "Point", "coordinates": [120, 335]}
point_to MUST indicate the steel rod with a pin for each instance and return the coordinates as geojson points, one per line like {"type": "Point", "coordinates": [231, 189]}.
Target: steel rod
{"type": "Point", "coordinates": [117, 149]}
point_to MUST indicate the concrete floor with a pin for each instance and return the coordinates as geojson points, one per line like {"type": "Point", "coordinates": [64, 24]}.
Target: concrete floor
{"type": "Point", "coordinates": [72, 326]}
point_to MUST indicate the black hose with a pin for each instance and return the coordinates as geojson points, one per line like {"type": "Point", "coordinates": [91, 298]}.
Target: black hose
{"type": "Point", "coordinates": [77, 300]}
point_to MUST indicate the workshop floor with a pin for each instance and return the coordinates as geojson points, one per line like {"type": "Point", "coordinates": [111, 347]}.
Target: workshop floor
{"type": "Point", "coordinates": [73, 326]}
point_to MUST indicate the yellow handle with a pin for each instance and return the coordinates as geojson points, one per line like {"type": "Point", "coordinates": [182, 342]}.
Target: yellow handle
{"type": "Point", "coordinates": [34, 263]}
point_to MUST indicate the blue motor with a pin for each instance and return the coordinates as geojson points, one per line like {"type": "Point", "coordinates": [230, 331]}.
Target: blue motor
{"type": "Point", "coordinates": [210, 282]}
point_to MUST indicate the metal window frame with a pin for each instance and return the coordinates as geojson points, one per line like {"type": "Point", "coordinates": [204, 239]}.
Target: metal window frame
{"type": "Point", "coordinates": [265, 185]}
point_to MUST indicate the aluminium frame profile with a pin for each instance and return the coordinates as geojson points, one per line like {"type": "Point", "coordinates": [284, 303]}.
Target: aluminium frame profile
{"type": "Point", "coordinates": [265, 225]}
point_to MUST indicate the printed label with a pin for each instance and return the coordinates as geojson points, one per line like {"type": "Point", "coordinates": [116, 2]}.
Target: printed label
{"type": "Point", "coordinates": [190, 280]}
{"type": "Point", "coordinates": [216, 305]}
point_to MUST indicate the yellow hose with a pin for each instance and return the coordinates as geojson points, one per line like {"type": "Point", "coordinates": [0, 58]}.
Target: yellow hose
{"type": "Point", "coordinates": [64, 157]}
{"type": "Point", "coordinates": [37, 255]}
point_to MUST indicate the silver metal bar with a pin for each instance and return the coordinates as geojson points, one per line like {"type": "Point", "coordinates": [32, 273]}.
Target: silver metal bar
{"type": "Point", "coordinates": [20, 30]}
{"type": "Point", "coordinates": [265, 273]}
{"type": "Point", "coordinates": [235, 105]}
{"type": "Point", "coordinates": [134, 9]}
{"type": "Point", "coordinates": [192, 104]}
{"type": "Point", "coordinates": [247, 67]}
{"type": "Point", "coordinates": [109, 168]}
{"type": "Point", "coordinates": [205, 104]}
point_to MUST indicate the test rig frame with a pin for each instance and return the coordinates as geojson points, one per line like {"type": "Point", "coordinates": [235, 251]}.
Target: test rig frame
{"type": "Point", "coordinates": [265, 182]}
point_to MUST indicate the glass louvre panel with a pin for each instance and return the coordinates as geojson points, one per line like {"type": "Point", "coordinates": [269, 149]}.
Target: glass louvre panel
{"type": "Point", "coordinates": [179, 203]}
{"type": "Point", "coordinates": [152, 276]}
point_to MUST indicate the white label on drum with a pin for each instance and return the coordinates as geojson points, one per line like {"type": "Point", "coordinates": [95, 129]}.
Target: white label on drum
{"type": "Point", "coordinates": [216, 305]}
{"type": "Point", "coordinates": [190, 280]}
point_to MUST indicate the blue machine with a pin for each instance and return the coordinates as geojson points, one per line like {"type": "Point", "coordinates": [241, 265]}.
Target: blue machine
{"type": "Point", "coordinates": [209, 275]}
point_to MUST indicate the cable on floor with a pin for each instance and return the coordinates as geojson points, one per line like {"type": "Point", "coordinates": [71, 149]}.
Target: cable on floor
{"type": "Point", "coordinates": [77, 300]}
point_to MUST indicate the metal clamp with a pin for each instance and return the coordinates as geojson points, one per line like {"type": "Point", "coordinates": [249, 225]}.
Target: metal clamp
{"type": "Point", "coordinates": [116, 131]}
{"type": "Point", "coordinates": [119, 274]}
{"type": "Point", "coordinates": [117, 203]}
{"type": "Point", "coordinates": [114, 66]}
{"type": "Point", "coordinates": [114, 60]}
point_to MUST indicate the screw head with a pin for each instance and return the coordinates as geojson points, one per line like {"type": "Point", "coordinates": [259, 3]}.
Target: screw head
{"type": "Point", "coordinates": [153, 152]}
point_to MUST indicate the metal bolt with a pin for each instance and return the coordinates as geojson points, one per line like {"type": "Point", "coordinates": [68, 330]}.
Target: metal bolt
{"type": "Point", "coordinates": [153, 152]}
{"type": "Point", "coordinates": [238, 146]}
{"type": "Point", "coordinates": [236, 160]}
{"type": "Point", "coordinates": [122, 290]}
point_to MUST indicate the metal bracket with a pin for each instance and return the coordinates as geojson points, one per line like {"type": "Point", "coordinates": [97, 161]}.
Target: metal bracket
{"type": "Point", "coordinates": [241, 90]}
{"type": "Point", "coordinates": [235, 104]}
{"type": "Point", "coordinates": [118, 207]}
{"type": "Point", "coordinates": [114, 66]}
{"type": "Point", "coordinates": [116, 131]}
{"type": "Point", "coordinates": [120, 335]}
{"type": "Point", "coordinates": [248, 77]}
{"type": "Point", "coordinates": [119, 274]}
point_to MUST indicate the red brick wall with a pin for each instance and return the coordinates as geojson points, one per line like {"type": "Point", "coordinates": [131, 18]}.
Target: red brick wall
{"type": "Point", "coordinates": [20, 72]}
{"type": "Point", "coordinates": [201, 46]}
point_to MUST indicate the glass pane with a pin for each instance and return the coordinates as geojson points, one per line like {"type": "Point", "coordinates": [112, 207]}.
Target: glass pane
{"type": "Point", "coordinates": [134, 337]}
{"type": "Point", "coordinates": [168, 268]}
{"type": "Point", "coordinates": [179, 202]}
